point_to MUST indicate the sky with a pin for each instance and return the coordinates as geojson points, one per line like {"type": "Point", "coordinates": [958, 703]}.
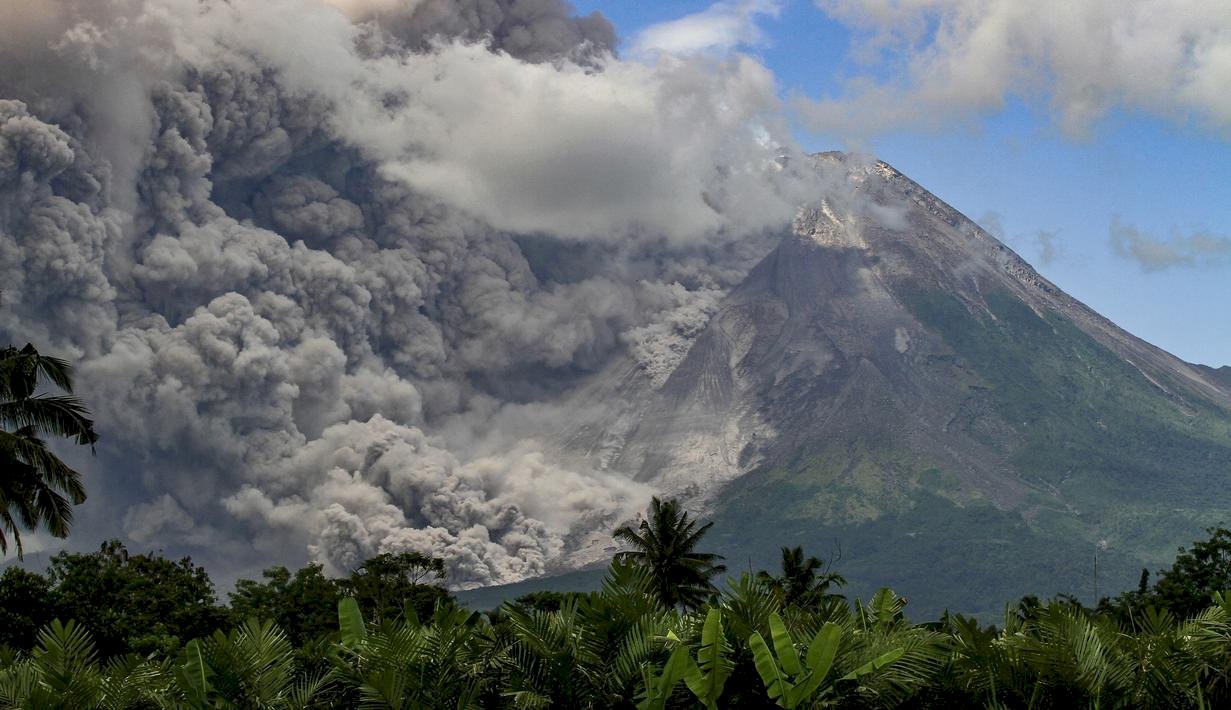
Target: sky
{"type": "Point", "coordinates": [1098, 156]}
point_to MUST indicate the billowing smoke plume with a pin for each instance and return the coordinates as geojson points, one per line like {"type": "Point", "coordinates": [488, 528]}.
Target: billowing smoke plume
{"type": "Point", "coordinates": [531, 30]}
{"type": "Point", "coordinates": [324, 265]}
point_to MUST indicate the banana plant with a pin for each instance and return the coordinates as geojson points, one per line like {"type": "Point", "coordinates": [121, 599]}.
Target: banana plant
{"type": "Point", "coordinates": [659, 685]}
{"type": "Point", "coordinates": [707, 675]}
{"type": "Point", "coordinates": [191, 677]}
{"type": "Point", "coordinates": [789, 681]}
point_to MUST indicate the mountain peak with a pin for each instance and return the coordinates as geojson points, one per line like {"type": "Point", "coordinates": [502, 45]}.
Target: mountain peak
{"type": "Point", "coordinates": [891, 357]}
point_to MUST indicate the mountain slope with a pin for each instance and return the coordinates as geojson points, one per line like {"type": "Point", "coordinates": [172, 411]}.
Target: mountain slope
{"type": "Point", "coordinates": [893, 378]}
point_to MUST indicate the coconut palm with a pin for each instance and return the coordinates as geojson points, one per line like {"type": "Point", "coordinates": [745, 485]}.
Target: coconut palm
{"type": "Point", "coordinates": [37, 489]}
{"type": "Point", "coordinates": [803, 581]}
{"type": "Point", "coordinates": [665, 543]}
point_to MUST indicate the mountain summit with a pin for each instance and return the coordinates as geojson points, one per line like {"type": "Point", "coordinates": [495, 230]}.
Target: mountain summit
{"type": "Point", "coordinates": [894, 381]}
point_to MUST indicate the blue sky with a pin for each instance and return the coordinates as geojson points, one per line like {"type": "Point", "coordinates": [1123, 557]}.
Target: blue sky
{"type": "Point", "coordinates": [1019, 163]}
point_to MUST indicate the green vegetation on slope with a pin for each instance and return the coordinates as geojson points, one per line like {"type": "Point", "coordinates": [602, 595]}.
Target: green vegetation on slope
{"type": "Point", "coordinates": [939, 555]}
{"type": "Point", "coordinates": [1109, 455]}
{"type": "Point", "coordinates": [1138, 467]}
{"type": "Point", "coordinates": [1090, 423]}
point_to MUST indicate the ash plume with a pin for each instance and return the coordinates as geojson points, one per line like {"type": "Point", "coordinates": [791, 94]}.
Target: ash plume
{"type": "Point", "coordinates": [322, 265]}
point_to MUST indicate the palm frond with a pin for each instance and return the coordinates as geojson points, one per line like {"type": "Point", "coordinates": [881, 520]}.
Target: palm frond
{"type": "Point", "coordinates": [50, 415]}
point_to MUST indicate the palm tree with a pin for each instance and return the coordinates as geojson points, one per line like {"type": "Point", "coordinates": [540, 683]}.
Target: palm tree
{"type": "Point", "coordinates": [665, 545]}
{"type": "Point", "coordinates": [803, 581]}
{"type": "Point", "coordinates": [36, 487]}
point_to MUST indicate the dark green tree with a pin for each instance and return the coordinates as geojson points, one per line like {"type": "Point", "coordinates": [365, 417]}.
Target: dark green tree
{"type": "Point", "coordinates": [37, 489]}
{"type": "Point", "coordinates": [304, 604]}
{"type": "Point", "coordinates": [384, 584]}
{"type": "Point", "coordinates": [1189, 585]}
{"type": "Point", "coordinates": [665, 544]}
{"type": "Point", "coordinates": [544, 600]}
{"type": "Point", "coordinates": [803, 581]}
{"type": "Point", "coordinates": [133, 602]}
{"type": "Point", "coordinates": [27, 604]}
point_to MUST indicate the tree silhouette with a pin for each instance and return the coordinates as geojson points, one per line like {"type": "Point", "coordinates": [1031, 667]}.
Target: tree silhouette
{"type": "Point", "coordinates": [384, 584]}
{"type": "Point", "coordinates": [1196, 575]}
{"type": "Point", "coordinates": [803, 581]}
{"type": "Point", "coordinates": [37, 489]}
{"type": "Point", "coordinates": [665, 544]}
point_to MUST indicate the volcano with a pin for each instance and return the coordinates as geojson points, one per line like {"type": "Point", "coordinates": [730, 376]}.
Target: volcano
{"type": "Point", "coordinates": [894, 387]}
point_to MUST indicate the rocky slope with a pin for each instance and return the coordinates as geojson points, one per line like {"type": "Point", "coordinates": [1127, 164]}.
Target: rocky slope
{"type": "Point", "coordinates": [895, 379]}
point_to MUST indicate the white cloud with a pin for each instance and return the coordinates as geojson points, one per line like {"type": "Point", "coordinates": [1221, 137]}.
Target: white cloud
{"type": "Point", "coordinates": [674, 149]}
{"type": "Point", "coordinates": [950, 60]}
{"type": "Point", "coordinates": [1153, 253]}
{"type": "Point", "coordinates": [721, 27]}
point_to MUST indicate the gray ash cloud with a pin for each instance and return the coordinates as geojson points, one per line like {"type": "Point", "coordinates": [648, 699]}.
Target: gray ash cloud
{"type": "Point", "coordinates": [296, 250]}
{"type": "Point", "coordinates": [289, 248]}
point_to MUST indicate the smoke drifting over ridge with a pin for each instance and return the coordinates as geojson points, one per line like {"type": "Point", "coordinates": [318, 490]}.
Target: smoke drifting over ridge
{"type": "Point", "coordinates": [303, 252]}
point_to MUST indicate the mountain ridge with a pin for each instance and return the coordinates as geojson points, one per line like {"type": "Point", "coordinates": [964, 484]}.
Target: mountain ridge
{"type": "Point", "coordinates": [891, 357]}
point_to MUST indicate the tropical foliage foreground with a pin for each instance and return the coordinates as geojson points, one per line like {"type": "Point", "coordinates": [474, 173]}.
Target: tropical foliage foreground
{"type": "Point", "coordinates": [621, 647]}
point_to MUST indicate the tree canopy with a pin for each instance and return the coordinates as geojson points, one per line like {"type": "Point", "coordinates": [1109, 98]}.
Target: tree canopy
{"type": "Point", "coordinates": [134, 602]}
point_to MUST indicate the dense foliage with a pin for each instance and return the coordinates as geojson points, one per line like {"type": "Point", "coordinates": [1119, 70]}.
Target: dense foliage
{"type": "Point", "coordinates": [389, 635]}
{"type": "Point", "coordinates": [620, 647]}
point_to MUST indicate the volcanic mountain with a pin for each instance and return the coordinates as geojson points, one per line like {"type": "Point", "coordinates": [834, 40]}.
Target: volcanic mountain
{"type": "Point", "coordinates": [893, 383]}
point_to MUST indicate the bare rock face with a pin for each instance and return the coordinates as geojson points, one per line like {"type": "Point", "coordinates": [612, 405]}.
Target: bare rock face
{"type": "Point", "coordinates": [891, 366]}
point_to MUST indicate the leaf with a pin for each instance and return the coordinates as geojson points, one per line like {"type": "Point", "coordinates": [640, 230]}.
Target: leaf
{"type": "Point", "coordinates": [823, 648]}
{"type": "Point", "coordinates": [709, 674]}
{"type": "Point", "coordinates": [784, 646]}
{"type": "Point", "coordinates": [350, 622]}
{"type": "Point", "coordinates": [875, 664]}
{"type": "Point", "coordinates": [658, 689]}
{"type": "Point", "coordinates": [193, 675]}
{"type": "Point", "coordinates": [409, 615]}
{"type": "Point", "coordinates": [304, 692]}
{"type": "Point", "coordinates": [776, 685]}
{"type": "Point", "coordinates": [673, 671]}
{"type": "Point", "coordinates": [886, 605]}
{"type": "Point", "coordinates": [709, 657]}
{"type": "Point", "coordinates": [820, 657]}
{"type": "Point", "coordinates": [65, 660]}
